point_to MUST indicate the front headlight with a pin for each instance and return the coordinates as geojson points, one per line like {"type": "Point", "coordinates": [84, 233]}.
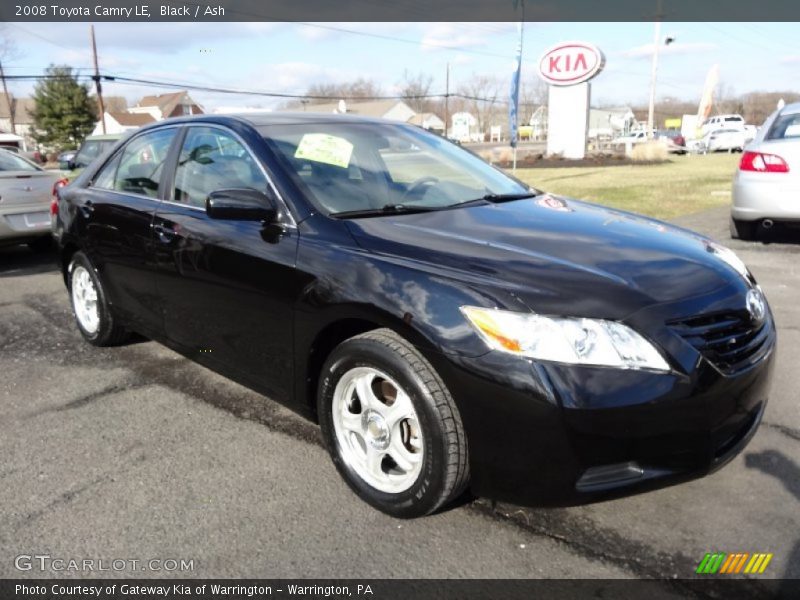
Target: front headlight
{"type": "Point", "coordinates": [567, 340]}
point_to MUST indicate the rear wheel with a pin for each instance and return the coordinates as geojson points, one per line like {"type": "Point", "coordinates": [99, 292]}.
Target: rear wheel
{"type": "Point", "coordinates": [743, 230]}
{"type": "Point", "coordinates": [90, 306]}
{"type": "Point", "coordinates": [391, 426]}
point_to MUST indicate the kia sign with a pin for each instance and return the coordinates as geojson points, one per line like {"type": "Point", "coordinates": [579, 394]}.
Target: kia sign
{"type": "Point", "coordinates": [571, 63]}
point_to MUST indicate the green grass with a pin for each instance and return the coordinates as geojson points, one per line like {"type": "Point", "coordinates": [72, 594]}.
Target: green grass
{"type": "Point", "coordinates": [684, 185]}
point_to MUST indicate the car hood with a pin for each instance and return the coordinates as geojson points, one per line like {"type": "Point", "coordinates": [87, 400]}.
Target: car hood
{"type": "Point", "coordinates": [559, 256]}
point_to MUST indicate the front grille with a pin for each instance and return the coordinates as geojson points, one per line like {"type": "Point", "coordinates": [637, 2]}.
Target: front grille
{"type": "Point", "coordinates": [728, 340]}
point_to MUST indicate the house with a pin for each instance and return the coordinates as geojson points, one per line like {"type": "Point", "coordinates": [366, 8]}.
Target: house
{"type": "Point", "coordinates": [164, 106]}
{"type": "Point", "coordinates": [394, 110]}
{"type": "Point", "coordinates": [462, 128]}
{"type": "Point", "coordinates": [120, 122]}
{"type": "Point", "coordinates": [22, 109]}
{"type": "Point", "coordinates": [428, 121]}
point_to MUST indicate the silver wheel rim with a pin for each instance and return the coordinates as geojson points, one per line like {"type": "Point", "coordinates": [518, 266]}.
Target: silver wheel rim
{"type": "Point", "coordinates": [84, 299]}
{"type": "Point", "coordinates": [377, 429]}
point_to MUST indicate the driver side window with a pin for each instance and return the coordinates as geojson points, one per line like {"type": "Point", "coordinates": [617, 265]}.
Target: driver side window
{"type": "Point", "coordinates": [212, 159]}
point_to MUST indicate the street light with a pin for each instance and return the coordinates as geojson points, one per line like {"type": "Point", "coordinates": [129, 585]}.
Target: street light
{"type": "Point", "coordinates": [657, 46]}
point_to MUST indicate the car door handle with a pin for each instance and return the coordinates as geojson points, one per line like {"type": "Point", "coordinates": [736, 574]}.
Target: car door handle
{"type": "Point", "coordinates": [165, 234]}
{"type": "Point", "coordinates": [87, 208]}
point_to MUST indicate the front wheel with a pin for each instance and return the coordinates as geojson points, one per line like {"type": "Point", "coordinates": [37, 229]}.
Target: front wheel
{"type": "Point", "coordinates": [92, 311]}
{"type": "Point", "coordinates": [391, 426]}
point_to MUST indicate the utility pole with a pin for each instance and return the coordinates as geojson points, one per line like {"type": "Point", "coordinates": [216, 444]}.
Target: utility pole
{"type": "Point", "coordinates": [96, 78]}
{"type": "Point", "coordinates": [446, 98]}
{"type": "Point", "coordinates": [8, 100]}
{"type": "Point", "coordinates": [654, 70]}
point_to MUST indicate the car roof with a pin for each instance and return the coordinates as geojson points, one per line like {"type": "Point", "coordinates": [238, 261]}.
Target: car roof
{"type": "Point", "coordinates": [791, 109]}
{"type": "Point", "coordinates": [104, 136]}
{"type": "Point", "coordinates": [261, 119]}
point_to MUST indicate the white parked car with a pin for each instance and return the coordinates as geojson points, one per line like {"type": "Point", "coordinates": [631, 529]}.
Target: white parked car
{"type": "Point", "coordinates": [723, 122]}
{"type": "Point", "coordinates": [766, 187]}
{"type": "Point", "coordinates": [634, 137]}
{"type": "Point", "coordinates": [732, 140]}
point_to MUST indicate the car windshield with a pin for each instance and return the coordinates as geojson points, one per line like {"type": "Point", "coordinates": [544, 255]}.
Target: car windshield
{"type": "Point", "coordinates": [11, 162]}
{"type": "Point", "coordinates": [351, 168]}
{"type": "Point", "coordinates": [91, 149]}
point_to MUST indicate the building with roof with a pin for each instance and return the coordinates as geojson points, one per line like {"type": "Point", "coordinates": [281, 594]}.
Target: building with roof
{"type": "Point", "coordinates": [22, 109]}
{"type": "Point", "coordinates": [164, 106]}
{"type": "Point", "coordinates": [120, 122]}
{"type": "Point", "coordinates": [428, 121]}
{"type": "Point", "coordinates": [394, 110]}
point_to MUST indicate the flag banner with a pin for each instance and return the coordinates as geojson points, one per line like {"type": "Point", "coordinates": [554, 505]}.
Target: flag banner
{"type": "Point", "coordinates": [513, 104]}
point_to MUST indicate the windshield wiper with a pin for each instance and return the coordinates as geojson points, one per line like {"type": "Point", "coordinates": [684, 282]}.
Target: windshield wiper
{"type": "Point", "coordinates": [389, 209]}
{"type": "Point", "coordinates": [508, 197]}
{"type": "Point", "coordinates": [494, 199]}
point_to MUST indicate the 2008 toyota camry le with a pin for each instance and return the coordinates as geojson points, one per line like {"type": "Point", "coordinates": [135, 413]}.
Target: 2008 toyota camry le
{"type": "Point", "coordinates": [451, 329]}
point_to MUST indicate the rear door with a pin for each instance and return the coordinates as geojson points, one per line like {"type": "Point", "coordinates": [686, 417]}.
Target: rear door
{"type": "Point", "coordinates": [227, 286]}
{"type": "Point", "coordinates": [116, 212]}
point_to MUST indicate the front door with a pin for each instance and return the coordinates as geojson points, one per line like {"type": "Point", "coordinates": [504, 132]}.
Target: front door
{"type": "Point", "coordinates": [226, 285]}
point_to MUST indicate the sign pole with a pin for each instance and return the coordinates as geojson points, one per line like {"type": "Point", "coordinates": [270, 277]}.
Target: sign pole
{"type": "Point", "coordinates": [513, 105]}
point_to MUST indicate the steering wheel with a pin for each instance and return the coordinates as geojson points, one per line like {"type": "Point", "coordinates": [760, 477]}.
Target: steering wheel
{"type": "Point", "coordinates": [415, 185]}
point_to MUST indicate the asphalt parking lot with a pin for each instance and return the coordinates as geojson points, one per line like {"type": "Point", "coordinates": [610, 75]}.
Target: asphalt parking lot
{"type": "Point", "coordinates": [135, 452]}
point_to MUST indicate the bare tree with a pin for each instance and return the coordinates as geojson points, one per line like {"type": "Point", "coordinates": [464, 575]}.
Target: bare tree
{"type": "Point", "coordinates": [8, 51]}
{"type": "Point", "coordinates": [415, 89]}
{"type": "Point", "coordinates": [481, 94]}
{"type": "Point", "coordinates": [759, 105]}
{"type": "Point", "coordinates": [360, 88]}
{"type": "Point", "coordinates": [726, 101]}
{"type": "Point", "coordinates": [532, 95]}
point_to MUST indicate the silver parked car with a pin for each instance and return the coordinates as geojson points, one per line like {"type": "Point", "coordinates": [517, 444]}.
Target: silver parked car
{"type": "Point", "coordinates": [25, 193]}
{"type": "Point", "coordinates": [766, 187]}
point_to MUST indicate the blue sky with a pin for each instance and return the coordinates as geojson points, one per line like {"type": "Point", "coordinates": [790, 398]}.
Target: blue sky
{"type": "Point", "coordinates": [287, 57]}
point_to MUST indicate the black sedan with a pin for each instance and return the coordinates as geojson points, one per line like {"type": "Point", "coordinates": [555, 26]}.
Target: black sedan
{"type": "Point", "coordinates": [451, 329]}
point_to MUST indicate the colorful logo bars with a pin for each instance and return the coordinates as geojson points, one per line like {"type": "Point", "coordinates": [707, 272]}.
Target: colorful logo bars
{"type": "Point", "coordinates": [738, 562]}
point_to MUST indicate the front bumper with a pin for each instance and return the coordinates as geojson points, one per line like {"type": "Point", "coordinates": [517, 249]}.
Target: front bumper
{"type": "Point", "coordinates": [552, 434]}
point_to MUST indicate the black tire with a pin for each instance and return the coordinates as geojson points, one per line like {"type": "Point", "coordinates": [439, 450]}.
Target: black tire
{"type": "Point", "coordinates": [41, 244]}
{"type": "Point", "coordinates": [743, 230]}
{"type": "Point", "coordinates": [109, 332]}
{"type": "Point", "coordinates": [445, 468]}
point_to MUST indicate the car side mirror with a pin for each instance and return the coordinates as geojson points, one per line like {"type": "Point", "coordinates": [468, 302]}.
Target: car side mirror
{"type": "Point", "coordinates": [241, 204]}
{"type": "Point", "coordinates": [69, 165]}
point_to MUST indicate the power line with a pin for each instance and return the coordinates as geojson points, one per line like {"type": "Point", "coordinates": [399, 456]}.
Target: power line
{"type": "Point", "coordinates": [244, 92]}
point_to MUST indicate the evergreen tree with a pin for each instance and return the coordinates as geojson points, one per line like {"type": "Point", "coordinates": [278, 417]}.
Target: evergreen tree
{"type": "Point", "coordinates": [64, 113]}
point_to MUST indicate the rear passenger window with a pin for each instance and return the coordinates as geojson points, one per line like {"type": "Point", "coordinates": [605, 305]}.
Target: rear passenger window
{"type": "Point", "coordinates": [142, 163]}
{"type": "Point", "coordinates": [785, 127]}
{"type": "Point", "coordinates": [212, 159]}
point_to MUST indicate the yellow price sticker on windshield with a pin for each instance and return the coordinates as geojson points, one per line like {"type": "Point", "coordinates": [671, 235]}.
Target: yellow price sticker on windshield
{"type": "Point", "coordinates": [324, 148]}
